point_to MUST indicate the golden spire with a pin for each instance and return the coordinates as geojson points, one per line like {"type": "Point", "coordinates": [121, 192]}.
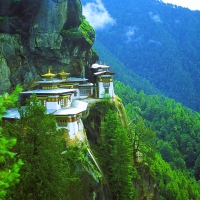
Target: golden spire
{"type": "Point", "coordinates": [49, 76]}
{"type": "Point", "coordinates": [63, 75]}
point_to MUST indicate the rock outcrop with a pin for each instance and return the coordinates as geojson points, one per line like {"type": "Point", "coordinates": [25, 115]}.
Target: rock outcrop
{"type": "Point", "coordinates": [35, 35]}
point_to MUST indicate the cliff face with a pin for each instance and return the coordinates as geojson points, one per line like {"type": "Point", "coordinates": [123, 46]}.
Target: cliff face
{"type": "Point", "coordinates": [145, 184]}
{"type": "Point", "coordinates": [41, 33]}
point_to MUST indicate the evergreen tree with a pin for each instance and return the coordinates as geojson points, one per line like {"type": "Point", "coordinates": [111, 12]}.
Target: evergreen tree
{"type": "Point", "coordinates": [143, 140]}
{"type": "Point", "coordinates": [118, 160]}
{"type": "Point", "coordinates": [44, 174]}
{"type": "Point", "coordinates": [9, 168]}
{"type": "Point", "coordinates": [197, 168]}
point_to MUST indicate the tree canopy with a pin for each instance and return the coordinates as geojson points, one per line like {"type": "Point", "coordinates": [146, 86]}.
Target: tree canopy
{"type": "Point", "coordinates": [9, 165]}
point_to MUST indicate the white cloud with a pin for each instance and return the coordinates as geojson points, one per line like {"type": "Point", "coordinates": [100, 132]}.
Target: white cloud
{"type": "Point", "coordinates": [97, 15]}
{"type": "Point", "coordinates": [191, 4]}
{"type": "Point", "coordinates": [131, 32]}
{"type": "Point", "coordinates": [154, 42]}
{"type": "Point", "coordinates": [156, 18]}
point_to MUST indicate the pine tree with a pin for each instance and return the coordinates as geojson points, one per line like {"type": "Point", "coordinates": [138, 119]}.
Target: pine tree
{"type": "Point", "coordinates": [197, 168]}
{"type": "Point", "coordinates": [44, 174]}
{"type": "Point", "coordinates": [118, 160]}
{"type": "Point", "coordinates": [9, 168]}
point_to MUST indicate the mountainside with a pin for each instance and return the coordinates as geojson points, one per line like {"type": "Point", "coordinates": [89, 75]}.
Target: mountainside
{"type": "Point", "coordinates": [159, 42]}
{"type": "Point", "coordinates": [147, 149]}
{"type": "Point", "coordinates": [35, 35]}
{"type": "Point", "coordinates": [127, 76]}
{"type": "Point", "coordinates": [176, 129]}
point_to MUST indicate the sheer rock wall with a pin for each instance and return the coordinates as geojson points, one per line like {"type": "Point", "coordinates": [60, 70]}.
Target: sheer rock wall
{"type": "Point", "coordinates": [35, 35]}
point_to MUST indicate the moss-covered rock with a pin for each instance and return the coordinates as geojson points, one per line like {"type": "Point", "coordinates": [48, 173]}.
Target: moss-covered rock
{"type": "Point", "coordinates": [41, 33]}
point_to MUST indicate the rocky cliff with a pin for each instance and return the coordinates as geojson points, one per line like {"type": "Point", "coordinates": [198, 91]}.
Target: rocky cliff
{"type": "Point", "coordinates": [144, 183]}
{"type": "Point", "coordinates": [35, 35]}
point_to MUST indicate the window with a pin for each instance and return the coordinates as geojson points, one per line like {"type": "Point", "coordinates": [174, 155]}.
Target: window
{"type": "Point", "coordinates": [83, 92]}
{"type": "Point", "coordinates": [106, 85]}
{"type": "Point", "coordinates": [61, 121]}
{"type": "Point", "coordinates": [106, 82]}
{"type": "Point", "coordinates": [64, 102]}
{"type": "Point", "coordinates": [43, 102]}
{"type": "Point", "coordinates": [75, 93]}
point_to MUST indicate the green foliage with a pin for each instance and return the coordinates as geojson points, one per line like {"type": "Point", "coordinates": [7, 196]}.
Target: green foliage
{"type": "Point", "coordinates": [143, 141]}
{"type": "Point", "coordinates": [84, 30]}
{"type": "Point", "coordinates": [9, 166]}
{"type": "Point", "coordinates": [9, 170]}
{"type": "Point", "coordinates": [94, 52]}
{"type": "Point", "coordinates": [106, 96]}
{"type": "Point", "coordinates": [177, 130]}
{"type": "Point", "coordinates": [50, 171]}
{"type": "Point", "coordinates": [43, 175]}
{"type": "Point", "coordinates": [2, 19]}
{"type": "Point", "coordinates": [7, 101]}
{"type": "Point", "coordinates": [83, 175]}
{"type": "Point", "coordinates": [119, 99]}
{"type": "Point", "coordinates": [127, 76]}
{"type": "Point", "coordinates": [87, 30]}
{"type": "Point", "coordinates": [154, 49]}
{"type": "Point", "coordinates": [176, 127]}
{"type": "Point", "coordinates": [71, 31]}
{"type": "Point", "coordinates": [174, 184]}
{"type": "Point", "coordinates": [118, 160]}
{"type": "Point", "coordinates": [197, 168]}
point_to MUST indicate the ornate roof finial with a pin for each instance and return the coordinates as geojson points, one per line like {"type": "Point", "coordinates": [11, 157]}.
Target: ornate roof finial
{"type": "Point", "coordinates": [49, 76]}
{"type": "Point", "coordinates": [63, 75]}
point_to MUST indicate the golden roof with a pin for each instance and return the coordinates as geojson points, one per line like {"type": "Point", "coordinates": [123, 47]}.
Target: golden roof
{"type": "Point", "coordinates": [49, 74]}
{"type": "Point", "coordinates": [63, 75]}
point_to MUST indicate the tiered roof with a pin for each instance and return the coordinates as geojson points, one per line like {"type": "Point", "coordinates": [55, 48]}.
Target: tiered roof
{"type": "Point", "coordinates": [100, 69]}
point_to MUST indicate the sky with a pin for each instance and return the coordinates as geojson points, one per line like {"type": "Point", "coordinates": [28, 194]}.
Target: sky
{"type": "Point", "coordinates": [98, 17]}
{"type": "Point", "coordinates": [191, 4]}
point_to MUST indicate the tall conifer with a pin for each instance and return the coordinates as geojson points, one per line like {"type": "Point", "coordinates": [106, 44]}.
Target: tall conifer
{"type": "Point", "coordinates": [9, 167]}
{"type": "Point", "coordinates": [118, 160]}
{"type": "Point", "coordinates": [44, 174]}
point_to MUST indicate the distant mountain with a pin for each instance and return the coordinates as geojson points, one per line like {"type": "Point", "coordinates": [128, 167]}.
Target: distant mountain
{"type": "Point", "coordinates": [158, 42]}
{"type": "Point", "coordinates": [128, 76]}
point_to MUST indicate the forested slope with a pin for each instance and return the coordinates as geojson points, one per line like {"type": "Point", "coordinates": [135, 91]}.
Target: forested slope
{"type": "Point", "coordinates": [176, 127]}
{"type": "Point", "coordinates": [159, 42]}
{"type": "Point", "coordinates": [131, 166]}
{"type": "Point", "coordinates": [127, 150]}
{"type": "Point", "coordinates": [124, 74]}
{"type": "Point", "coordinates": [165, 126]}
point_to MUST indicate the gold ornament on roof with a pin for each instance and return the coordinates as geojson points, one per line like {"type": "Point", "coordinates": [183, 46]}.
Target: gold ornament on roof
{"type": "Point", "coordinates": [49, 76]}
{"type": "Point", "coordinates": [63, 75]}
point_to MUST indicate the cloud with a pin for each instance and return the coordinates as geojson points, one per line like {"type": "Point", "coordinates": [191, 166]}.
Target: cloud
{"type": "Point", "coordinates": [191, 4]}
{"type": "Point", "coordinates": [130, 33]}
{"type": "Point", "coordinates": [156, 18]}
{"type": "Point", "coordinates": [154, 42]}
{"type": "Point", "coordinates": [97, 15]}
